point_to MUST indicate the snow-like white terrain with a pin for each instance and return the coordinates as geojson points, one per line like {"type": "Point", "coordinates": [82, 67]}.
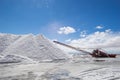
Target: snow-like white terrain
{"type": "Point", "coordinates": [34, 57]}
{"type": "Point", "coordinates": [61, 71]}
{"type": "Point", "coordinates": [6, 40]}
{"type": "Point", "coordinates": [35, 47]}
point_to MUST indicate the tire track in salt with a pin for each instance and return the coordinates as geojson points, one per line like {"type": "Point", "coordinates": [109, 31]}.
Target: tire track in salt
{"type": "Point", "coordinates": [101, 73]}
{"type": "Point", "coordinates": [91, 70]}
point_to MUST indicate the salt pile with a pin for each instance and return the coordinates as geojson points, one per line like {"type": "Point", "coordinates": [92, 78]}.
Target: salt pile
{"type": "Point", "coordinates": [35, 47]}
{"type": "Point", "coordinates": [6, 40]}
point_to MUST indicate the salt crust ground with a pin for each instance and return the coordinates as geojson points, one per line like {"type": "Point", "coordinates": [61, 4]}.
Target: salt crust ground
{"type": "Point", "coordinates": [61, 71]}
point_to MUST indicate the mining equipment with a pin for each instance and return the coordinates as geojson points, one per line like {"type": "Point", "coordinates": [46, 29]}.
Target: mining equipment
{"type": "Point", "coordinates": [95, 53]}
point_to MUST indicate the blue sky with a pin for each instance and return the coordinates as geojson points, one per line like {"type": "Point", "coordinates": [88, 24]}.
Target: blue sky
{"type": "Point", "coordinates": [59, 19]}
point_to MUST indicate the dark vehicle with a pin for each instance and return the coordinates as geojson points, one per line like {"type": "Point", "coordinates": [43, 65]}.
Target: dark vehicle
{"type": "Point", "coordinates": [101, 54]}
{"type": "Point", "coordinates": [96, 53]}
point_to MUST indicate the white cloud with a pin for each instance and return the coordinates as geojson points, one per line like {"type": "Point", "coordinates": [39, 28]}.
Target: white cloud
{"type": "Point", "coordinates": [99, 27]}
{"type": "Point", "coordinates": [108, 30]}
{"type": "Point", "coordinates": [39, 3]}
{"type": "Point", "coordinates": [54, 39]}
{"type": "Point", "coordinates": [98, 40]}
{"type": "Point", "coordinates": [66, 30]}
{"type": "Point", "coordinates": [83, 33]}
{"type": "Point", "coordinates": [68, 40]}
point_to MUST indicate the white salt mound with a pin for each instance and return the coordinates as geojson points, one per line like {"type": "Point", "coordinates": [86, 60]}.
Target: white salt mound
{"type": "Point", "coordinates": [35, 47]}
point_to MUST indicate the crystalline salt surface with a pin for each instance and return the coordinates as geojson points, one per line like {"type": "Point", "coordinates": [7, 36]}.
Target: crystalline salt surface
{"type": "Point", "coordinates": [35, 47]}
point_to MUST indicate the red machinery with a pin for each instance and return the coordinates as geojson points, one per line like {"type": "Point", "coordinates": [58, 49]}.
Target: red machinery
{"type": "Point", "coordinates": [95, 53]}
{"type": "Point", "coordinates": [98, 53]}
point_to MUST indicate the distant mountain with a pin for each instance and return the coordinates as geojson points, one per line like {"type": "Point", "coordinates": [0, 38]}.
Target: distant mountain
{"type": "Point", "coordinates": [35, 47]}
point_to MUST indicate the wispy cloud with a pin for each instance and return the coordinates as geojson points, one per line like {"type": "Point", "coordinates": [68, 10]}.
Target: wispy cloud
{"type": "Point", "coordinates": [68, 40]}
{"type": "Point", "coordinates": [39, 3]}
{"type": "Point", "coordinates": [66, 30]}
{"type": "Point", "coordinates": [83, 33]}
{"type": "Point", "coordinates": [99, 27]}
{"type": "Point", "coordinates": [98, 39]}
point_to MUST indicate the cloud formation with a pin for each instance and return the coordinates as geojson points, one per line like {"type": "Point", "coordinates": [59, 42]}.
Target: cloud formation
{"type": "Point", "coordinates": [68, 40]}
{"type": "Point", "coordinates": [66, 30]}
{"type": "Point", "coordinates": [83, 33]}
{"type": "Point", "coordinates": [39, 3]}
{"type": "Point", "coordinates": [99, 27]}
{"type": "Point", "coordinates": [98, 39]}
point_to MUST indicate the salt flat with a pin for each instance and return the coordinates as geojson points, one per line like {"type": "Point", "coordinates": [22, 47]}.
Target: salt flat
{"type": "Point", "coordinates": [34, 57]}
{"type": "Point", "coordinates": [70, 70]}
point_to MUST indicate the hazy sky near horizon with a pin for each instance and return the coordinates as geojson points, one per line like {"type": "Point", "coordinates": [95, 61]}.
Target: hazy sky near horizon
{"type": "Point", "coordinates": [63, 20]}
